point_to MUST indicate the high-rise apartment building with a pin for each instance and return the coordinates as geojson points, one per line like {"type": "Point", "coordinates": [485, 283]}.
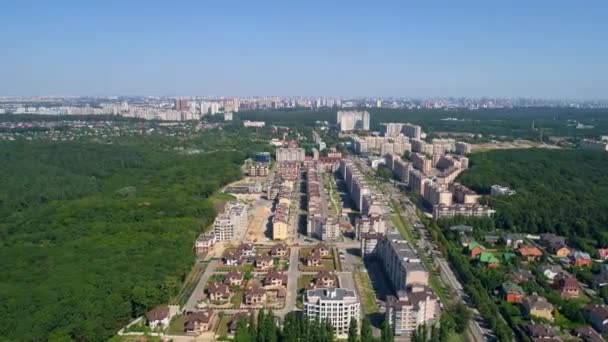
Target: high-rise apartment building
{"type": "Point", "coordinates": [402, 265]}
{"type": "Point", "coordinates": [215, 108]}
{"type": "Point", "coordinates": [231, 222]}
{"type": "Point", "coordinates": [336, 305]}
{"type": "Point", "coordinates": [290, 154]}
{"type": "Point", "coordinates": [412, 131]}
{"type": "Point", "coordinates": [416, 181]}
{"type": "Point", "coordinates": [181, 104]}
{"type": "Point", "coordinates": [463, 148]}
{"type": "Point", "coordinates": [205, 108]}
{"type": "Point", "coordinates": [422, 163]}
{"type": "Point", "coordinates": [353, 120]}
{"type": "Point", "coordinates": [231, 105]}
{"type": "Point", "coordinates": [408, 310]}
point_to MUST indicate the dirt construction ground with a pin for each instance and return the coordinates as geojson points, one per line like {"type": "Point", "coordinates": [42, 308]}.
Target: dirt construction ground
{"type": "Point", "coordinates": [504, 145]}
{"type": "Point", "coordinates": [260, 212]}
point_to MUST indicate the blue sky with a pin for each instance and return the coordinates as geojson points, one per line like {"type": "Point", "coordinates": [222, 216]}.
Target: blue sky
{"type": "Point", "coordinates": [508, 48]}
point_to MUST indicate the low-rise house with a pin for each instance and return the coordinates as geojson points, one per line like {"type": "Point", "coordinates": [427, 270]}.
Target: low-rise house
{"type": "Point", "coordinates": [597, 316]}
{"type": "Point", "coordinates": [264, 262]}
{"type": "Point", "coordinates": [218, 292]}
{"type": "Point", "coordinates": [581, 259]}
{"type": "Point", "coordinates": [255, 295]}
{"type": "Point", "coordinates": [587, 334]}
{"type": "Point", "coordinates": [234, 321]}
{"type": "Point", "coordinates": [275, 278]}
{"type": "Point", "coordinates": [196, 323]}
{"type": "Point", "coordinates": [551, 271]}
{"type": "Point", "coordinates": [512, 293]}
{"type": "Point", "coordinates": [233, 258]}
{"type": "Point", "coordinates": [513, 240]}
{"type": "Point", "coordinates": [475, 249]}
{"type": "Point", "coordinates": [203, 244]}
{"type": "Point", "coordinates": [541, 332]}
{"type": "Point", "coordinates": [529, 253]}
{"type": "Point", "coordinates": [246, 250]}
{"type": "Point", "coordinates": [465, 240]}
{"type": "Point", "coordinates": [521, 276]}
{"type": "Point", "coordinates": [548, 239]}
{"type": "Point", "coordinates": [234, 278]}
{"type": "Point", "coordinates": [601, 279]}
{"type": "Point", "coordinates": [566, 285]}
{"type": "Point", "coordinates": [313, 260]}
{"type": "Point", "coordinates": [537, 306]}
{"type": "Point", "coordinates": [488, 259]}
{"type": "Point", "coordinates": [491, 238]}
{"type": "Point", "coordinates": [279, 251]}
{"type": "Point", "coordinates": [159, 317]}
{"type": "Point", "coordinates": [323, 279]}
{"type": "Point", "coordinates": [603, 253]}
{"type": "Point", "coordinates": [321, 249]}
{"type": "Point", "coordinates": [462, 229]}
{"type": "Point", "coordinates": [559, 250]}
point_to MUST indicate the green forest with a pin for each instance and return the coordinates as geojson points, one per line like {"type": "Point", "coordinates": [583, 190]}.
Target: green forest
{"type": "Point", "coordinates": [93, 234]}
{"type": "Point", "coordinates": [506, 122]}
{"type": "Point", "coordinates": [561, 191]}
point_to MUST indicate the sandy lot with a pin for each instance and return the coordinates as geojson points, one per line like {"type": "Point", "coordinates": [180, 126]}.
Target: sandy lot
{"type": "Point", "coordinates": [505, 145]}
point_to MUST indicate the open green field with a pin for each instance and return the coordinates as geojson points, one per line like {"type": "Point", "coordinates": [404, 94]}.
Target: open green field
{"type": "Point", "coordinates": [176, 327]}
{"type": "Point", "coordinates": [368, 296]}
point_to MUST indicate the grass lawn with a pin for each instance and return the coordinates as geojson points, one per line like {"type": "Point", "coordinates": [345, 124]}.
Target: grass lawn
{"type": "Point", "coordinates": [334, 198]}
{"type": "Point", "coordinates": [190, 283]}
{"type": "Point", "coordinates": [368, 296]}
{"type": "Point", "coordinates": [176, 327]}
{"type": "Point", "coordinates": [280, 264]}
{"type": "Point", "coordinates": [305, 251]}
{"type": "Point", "coordinates": [222, 327]}
{"type": "Point", "coordinates": [237, 299]}
{"type": "Point", "coordinates": [219, 197]}
{"type": "Point", "coordinates": [302, 282]}
{"type": "Point", "coordinates": [455, 338]}
{"type": "Point", "coordinates": [328, 265]}
{"type": "Point", "coordinates": [225, 268]}
{"type": "Point", "coordinates": [400, 223]}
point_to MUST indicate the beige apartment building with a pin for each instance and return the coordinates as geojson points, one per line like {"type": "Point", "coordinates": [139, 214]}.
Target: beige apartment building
{"type": "Point", "coordinates": [336, 305]}
{"type": "Point", "coordinates": [410, 309]}
{"type": "Point", "coordinates": [291, 154]}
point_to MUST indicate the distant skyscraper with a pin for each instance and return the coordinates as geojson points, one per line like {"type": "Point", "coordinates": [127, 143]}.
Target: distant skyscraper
{"type": "Point", "coordinates": [379, 103]}
{"type": "Point", "coordinates": [181, 104]}
{"type": "Point", "coordinates": [231, 105]}
{"type": "Point", "coordinates": [215, 108]}
{"type": "Point", "coordinates": [205, 107]}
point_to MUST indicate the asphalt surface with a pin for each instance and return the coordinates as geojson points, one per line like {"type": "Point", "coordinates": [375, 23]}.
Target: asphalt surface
{"type": "Point", "coordinates": [199, 290]}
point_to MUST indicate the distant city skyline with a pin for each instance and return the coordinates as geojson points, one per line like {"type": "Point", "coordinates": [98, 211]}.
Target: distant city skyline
{"type": "Point", "coordinates": [436, 49]}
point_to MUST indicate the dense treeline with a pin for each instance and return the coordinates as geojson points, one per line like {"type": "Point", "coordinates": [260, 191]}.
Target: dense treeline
{"type": "Point", "coordinates": [560, 191]}
{"type": "Point", "coordinates": [508, 122]}
{"type": "Point", "coordinates": [92, 235]}
{"type": "Point", "coordinates": [264, 328]}
{"type": "Point", "coordinates": [298, 328]}
{"type": "Point", "coordinates": [474, 283]}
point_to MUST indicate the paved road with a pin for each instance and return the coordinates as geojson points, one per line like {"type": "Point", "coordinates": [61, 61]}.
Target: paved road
{"type": "Point", "coordinates": [198, 292]}
{"type": "Point", "coordinates": [292, 283]}
{"type": "Point", "coordinates": [478, 333]}
{"type": "Point", "coordinates": [292, 286]}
